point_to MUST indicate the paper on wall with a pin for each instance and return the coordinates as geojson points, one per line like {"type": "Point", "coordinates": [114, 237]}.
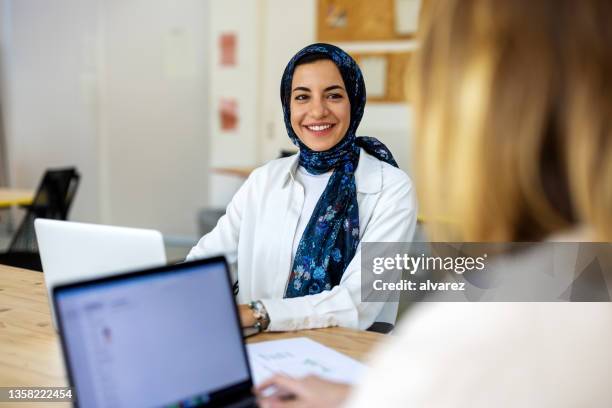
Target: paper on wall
{"type": "Point", "coordinates": [179, 55]}
{"type": "Point", "coordinates": [228, 45]}
{"type": "Point", "coordinates": [374, 69]}
{"type": "Point", "coordinates": [407, 16]}
{"type": "Point", "coordinates": [228, 114]}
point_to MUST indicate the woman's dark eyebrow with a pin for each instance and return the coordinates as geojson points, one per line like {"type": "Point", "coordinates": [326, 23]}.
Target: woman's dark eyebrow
{"type": "Point", "coordinates": [329, 88]}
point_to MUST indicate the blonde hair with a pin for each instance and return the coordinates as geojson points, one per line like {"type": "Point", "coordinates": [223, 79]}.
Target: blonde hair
{"type": "Point", "coordinates": [513, 123]}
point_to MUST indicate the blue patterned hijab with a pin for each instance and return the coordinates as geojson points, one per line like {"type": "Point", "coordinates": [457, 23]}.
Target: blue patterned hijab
{"type": "Point", "coordinates": [331, 237]}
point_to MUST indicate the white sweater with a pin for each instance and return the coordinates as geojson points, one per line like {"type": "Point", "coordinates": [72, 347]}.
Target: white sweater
{"type": "Point", "coordinates": [545, 355]}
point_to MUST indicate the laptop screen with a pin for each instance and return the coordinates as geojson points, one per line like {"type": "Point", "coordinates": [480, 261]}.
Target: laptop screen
{"type": "Point", "coordinates": [166, 338]}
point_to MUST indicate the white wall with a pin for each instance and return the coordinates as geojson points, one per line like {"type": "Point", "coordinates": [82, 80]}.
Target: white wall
{"type": "Point", "coordinates": [288, 26]}
{"type": "Point", "coordinates": [391, 124]}
{"type": "Point", "coordinates": [240, 82]}
{"type": "Point", "coordinates": [3, 154]}
{"type": "Point", "coordinates": [49, 83]}
{"type": "Point", "coordinates": [118, 88]}
{"type": "Point", "coordinates": [154, 141]}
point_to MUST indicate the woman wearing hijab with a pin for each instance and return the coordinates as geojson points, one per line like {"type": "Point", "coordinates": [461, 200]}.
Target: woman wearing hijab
{"type": "Point", "coordinates": [294, 228]}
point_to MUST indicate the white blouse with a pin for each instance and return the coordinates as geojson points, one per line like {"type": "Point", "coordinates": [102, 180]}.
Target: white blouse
{"type": "Point", "coordinates": [257, 233]}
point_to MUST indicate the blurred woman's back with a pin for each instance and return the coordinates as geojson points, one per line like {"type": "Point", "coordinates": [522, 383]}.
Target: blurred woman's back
{"type": "Point", "coordinates": [513, 105]}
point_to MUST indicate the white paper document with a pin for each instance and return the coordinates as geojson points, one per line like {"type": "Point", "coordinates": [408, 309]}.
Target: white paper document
{"type": "Point", "coordinates": [300, 357]}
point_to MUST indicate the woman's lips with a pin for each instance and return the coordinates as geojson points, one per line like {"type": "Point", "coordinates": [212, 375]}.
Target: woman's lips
{"type": "Point", "coordinates": [322, 129]}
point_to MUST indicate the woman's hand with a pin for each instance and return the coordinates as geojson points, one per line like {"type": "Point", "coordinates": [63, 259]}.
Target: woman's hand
{"type": "Point", "coordinates": [247, 319]}
{"type": "Point", "coordinates": [306, 392]}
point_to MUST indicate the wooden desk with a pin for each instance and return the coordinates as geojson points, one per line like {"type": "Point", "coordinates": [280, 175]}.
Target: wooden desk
{"type": "Point", "coordinates": [30, 352]}
{"type": "Point", "coordinates": [13, 196]}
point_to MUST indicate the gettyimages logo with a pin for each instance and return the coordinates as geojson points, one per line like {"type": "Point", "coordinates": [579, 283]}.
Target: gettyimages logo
{"type": "Point", "coordinates": [413, 264]}
{"type": "Point", "coordinates": [486, 272]}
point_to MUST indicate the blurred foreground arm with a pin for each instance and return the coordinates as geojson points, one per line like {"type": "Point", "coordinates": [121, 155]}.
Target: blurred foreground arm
{"type": "Point", "coordinates": [306, 392]}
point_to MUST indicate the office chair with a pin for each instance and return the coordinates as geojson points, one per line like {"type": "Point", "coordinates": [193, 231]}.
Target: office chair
{"type": "Point", "coordinates": [381, 327]}
{"type": "Point", "coordinates": [52, 200]}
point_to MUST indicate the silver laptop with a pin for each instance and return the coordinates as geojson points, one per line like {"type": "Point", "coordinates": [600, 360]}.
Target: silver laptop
{"type": "Point", "coordinates": [73, 251]}
{"type": "Point", "coordinates": [162, 337]}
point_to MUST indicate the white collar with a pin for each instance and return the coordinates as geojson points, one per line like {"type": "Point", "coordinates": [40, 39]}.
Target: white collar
{"type": "Point", "coordinates": [368, 176]}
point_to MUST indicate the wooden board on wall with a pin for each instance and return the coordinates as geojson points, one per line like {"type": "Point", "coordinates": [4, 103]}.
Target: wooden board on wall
{"type": "Point", "coordinates": [357, 20]}
{"type": "Point", "coordinates": [396, 75]}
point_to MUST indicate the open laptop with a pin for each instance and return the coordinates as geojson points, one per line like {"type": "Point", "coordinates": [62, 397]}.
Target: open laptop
{"type": "Point", "coordinates": [73, 251]}
{"type": "Point", "coordinates": [163, 337]}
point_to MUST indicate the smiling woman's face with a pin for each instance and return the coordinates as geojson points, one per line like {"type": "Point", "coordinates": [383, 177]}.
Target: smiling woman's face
{"type": "Point", "coordinates": [320, 108]}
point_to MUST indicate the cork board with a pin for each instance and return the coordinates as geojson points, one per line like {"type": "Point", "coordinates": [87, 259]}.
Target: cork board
{"type": "Point", "coordinates": [357, 20]}
{"type": "Point", "coordinates": [395, 76]}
